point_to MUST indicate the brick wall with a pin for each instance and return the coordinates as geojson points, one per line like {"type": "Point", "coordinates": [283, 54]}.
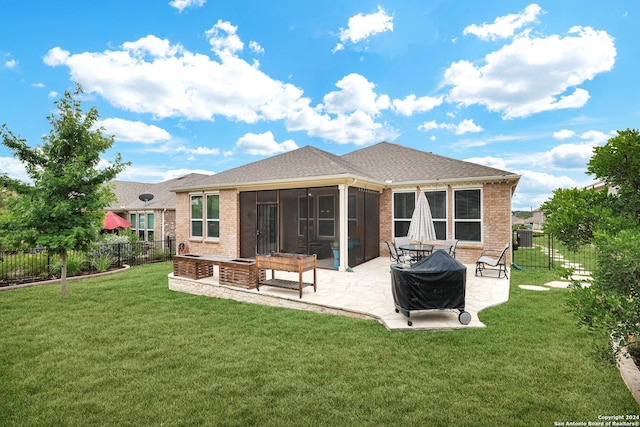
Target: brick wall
{"type": "Point", "coordinates": [496, 230]}
{"type": "Point", "coordinates": [228, 243]}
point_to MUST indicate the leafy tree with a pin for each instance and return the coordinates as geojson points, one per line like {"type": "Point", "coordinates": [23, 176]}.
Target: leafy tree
{"type": "Point", "coordinates": [572, 214]}
{"type": "Point", "coordinates": [617, 163]}
{"type": "Point", "coordinates": [611, 222]}
{"type": "Point", "coordinates": [63, 207]}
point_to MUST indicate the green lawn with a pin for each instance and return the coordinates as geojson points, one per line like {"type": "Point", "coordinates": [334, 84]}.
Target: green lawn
{"type": "Point", "coordinates": [124, 350]}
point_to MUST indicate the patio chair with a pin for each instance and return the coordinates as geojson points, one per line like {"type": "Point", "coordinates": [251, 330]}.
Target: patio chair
{"type": "Point", "coordinates": [493, 259]}
{"type": "Point", "coordinates": [449, 246]}
{"type": "Point", "coordinates": [397, 256]}
{"type": "Point", "coordinates": [401, 241]}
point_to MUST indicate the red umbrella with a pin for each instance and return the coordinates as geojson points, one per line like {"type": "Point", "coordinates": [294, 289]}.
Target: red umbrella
{"type": "Point", "coordinates": [113, 221]}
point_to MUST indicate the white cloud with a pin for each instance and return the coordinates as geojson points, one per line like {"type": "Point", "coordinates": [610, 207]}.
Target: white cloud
{"type": "Point", "coordinates": [177, 173]}
{"type": "Point", "coordinates": [154, 76]}
{"type": "Point", "coordinates": [356, 93]}
{"type": "Point", "coordinates": [129, 131]}
{"type": "Point", "coordinates": [505, 26]}
{"type": "Point", "coordinates": [465, 126]}
{"type": "Point", "coordinates": [535, 187]}
{"type": "Point", "coordinates": [255, 47]}
{"type": "Point", "coordinates": [223, 39]}
{"type": "Point", "coordinates": [195, 153]}
{"type": "Point", "coordinates": [564, 134]}
{"type": "Point", "coordinates": [493, 162]}
{"type": "Point", "coordinates": [183, 4]}
{"type": "Point", "coordinates": [509, 80]}
{"type": "Point", "coordinates": [411, 104]}
{"type": "Point", "coordinates": [356, 127]}
{"type": "Point", "coordinates": [596, 137]}
{"type": "Point", "coordinates": [570, 156]}
{"type": "Point", "coordinates": [14, 169]}
{"type": "Point", "coordinates": [10, 64]}
{"type": "Point", "coordinates": [152, 174]}
{"type": "Point", "coordinates": [263, 144]}
{"type": "Point", "coordinates": [361, 27]}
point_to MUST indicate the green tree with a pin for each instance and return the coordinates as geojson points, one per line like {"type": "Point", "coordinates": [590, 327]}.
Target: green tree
{"type": "Point", "coordinates": [610, 220]}
{"type": "Point", "coordinates": [617, 164]}
{"type": "Point", "coordinates": [572, 215]}
{"type": "Point", "coordinates": [62, 209]}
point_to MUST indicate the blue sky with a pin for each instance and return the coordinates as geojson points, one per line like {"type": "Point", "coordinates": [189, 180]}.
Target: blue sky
{"type": "Point", "coordinates": [197, 85]}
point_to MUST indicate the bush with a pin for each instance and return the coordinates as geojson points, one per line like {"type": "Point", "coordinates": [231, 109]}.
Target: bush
{"type": "Point", "coordinates": [114, 246]}
{"type": "Point", "coordinates": [612, 304]}
{"type": "Point", "coordinates": [102, 262]}
{"type": "Point", "coordinates": [76, 262]}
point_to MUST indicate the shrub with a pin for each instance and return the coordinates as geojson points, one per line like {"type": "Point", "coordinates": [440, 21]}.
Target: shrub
{"type": "Point", "coordinates": [102, 262]}
{"type": "Point", "coordinates": [612, 304]}
{"type": "Point", "coordinates": [76, 262]}
{"type": "Point", "coordinates": [113, 245]}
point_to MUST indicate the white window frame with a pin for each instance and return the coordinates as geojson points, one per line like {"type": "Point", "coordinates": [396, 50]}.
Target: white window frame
{"type": "Point", "coordinates": [207, 220]}
{"type": "Point", "coordinates": [192, 219]}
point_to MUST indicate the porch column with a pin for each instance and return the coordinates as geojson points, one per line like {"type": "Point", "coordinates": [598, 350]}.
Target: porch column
{"type": "Point", "coordinates": [344, 238]}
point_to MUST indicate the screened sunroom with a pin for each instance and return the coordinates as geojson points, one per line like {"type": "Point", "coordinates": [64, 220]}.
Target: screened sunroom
{"type": "Point", "coordinates": [308, 221]}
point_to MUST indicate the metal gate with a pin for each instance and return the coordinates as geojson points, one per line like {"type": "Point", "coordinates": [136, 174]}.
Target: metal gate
{"type": "Point", "coordinates": [543, 251]}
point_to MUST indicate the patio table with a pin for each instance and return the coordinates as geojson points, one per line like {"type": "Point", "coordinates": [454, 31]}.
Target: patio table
{"type": "Point", "coordinates": [420, 250]}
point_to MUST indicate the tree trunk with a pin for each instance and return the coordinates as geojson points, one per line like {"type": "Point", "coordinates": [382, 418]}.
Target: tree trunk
{"type": "Point", "coordinates": [63, 274]}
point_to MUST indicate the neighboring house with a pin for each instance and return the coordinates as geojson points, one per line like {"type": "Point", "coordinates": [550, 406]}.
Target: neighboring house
{"type": "Point", "coordinates": [343, 208]}
{"type": "Point", "coordinates": [155, 219]}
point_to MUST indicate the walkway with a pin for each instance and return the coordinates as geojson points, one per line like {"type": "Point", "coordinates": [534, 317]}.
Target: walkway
{"type": "Point", "coordinates": [364, 293]}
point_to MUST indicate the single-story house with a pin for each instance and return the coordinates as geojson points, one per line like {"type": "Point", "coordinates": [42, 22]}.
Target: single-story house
{"type": "Point", "coordinates": [343, 208]}
{"type": "Point", "coordinates": [152, 219]}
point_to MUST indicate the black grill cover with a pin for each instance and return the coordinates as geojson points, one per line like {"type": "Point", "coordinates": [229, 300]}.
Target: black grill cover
{"type": "Point", "coordinates": [435, 282]}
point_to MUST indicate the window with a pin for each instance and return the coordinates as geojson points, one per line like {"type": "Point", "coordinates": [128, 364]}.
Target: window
{"type": "Point", "coordinates": [213, 216]}
{"type": "Point", "coordinates": [196, 216]}
{"type": "Point", "coordinates": [142, 224]}
{"type": "Point", "coordinates": [150, 227]}
{"type": "Point", "coordinates": [468, 215]}
{"type": "Point", "coordinates": [403, 205]}
{"type": "Point", "coordinates": [438, 204]}
{"type": "Point", "coordinates": [326, 216]}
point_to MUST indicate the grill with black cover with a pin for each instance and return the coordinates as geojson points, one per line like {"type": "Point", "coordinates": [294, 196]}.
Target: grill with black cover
{"type": "Point", "coordinates": [435, 282]}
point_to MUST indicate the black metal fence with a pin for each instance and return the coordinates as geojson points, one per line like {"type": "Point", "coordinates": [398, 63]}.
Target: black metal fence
{"type": "Point", "coordinates": [33, 265]}
{"type": "Point", "coordinates": [543, 251]}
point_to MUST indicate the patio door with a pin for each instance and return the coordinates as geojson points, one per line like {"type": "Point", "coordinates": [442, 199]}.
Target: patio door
{"type": "Point", "coordinates": [267, 232]}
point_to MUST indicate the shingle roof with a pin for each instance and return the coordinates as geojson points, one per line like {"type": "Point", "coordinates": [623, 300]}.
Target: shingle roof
{"type": "Point", "coordinates": [127, 193]}
{"type": "Point", "coordinates": [378, 164]}
{"type": "Point", "coordinates": [395, 162]}
{"type": "Point", "coordinates": [305, 162]}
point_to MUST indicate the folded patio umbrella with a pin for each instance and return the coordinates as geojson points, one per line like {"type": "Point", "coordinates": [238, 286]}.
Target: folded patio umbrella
{"type": "Point", "coordinates": [113, 221]}
{"type": "Point", "coordinates": [421, 227]}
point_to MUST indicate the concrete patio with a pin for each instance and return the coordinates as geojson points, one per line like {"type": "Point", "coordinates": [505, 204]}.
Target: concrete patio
{"type": "Point", "coordinates": [364, 293]}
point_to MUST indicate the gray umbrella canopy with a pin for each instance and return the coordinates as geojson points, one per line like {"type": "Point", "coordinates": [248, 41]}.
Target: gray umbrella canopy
{"type": "Point", "coordinates": [421, 228]}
